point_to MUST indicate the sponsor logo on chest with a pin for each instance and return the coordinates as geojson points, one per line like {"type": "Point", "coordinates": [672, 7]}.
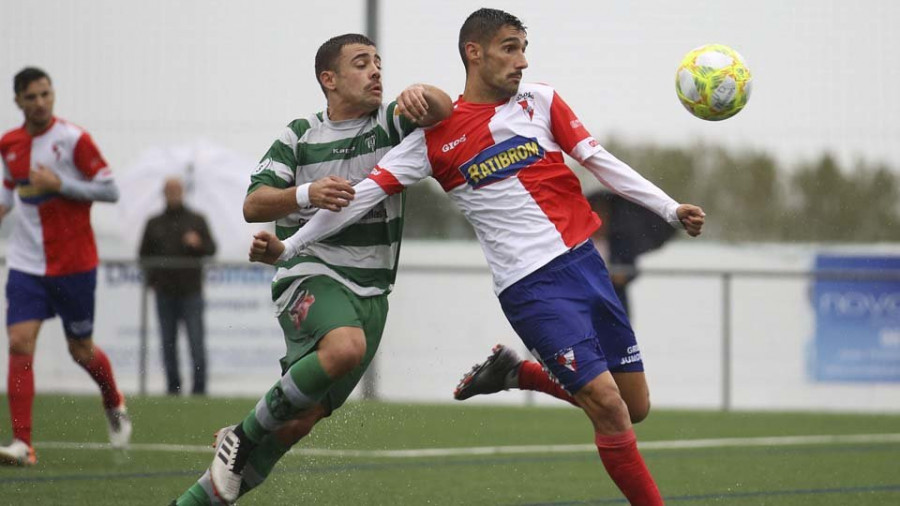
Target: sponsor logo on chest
{"type": "Point", "coordinates": [501, 161]}
{"type": "Point", "coordinates": [450, 145]}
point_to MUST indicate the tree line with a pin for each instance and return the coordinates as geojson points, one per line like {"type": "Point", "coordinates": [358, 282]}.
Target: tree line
{"type": "Point", "coordinates": [746, 194]}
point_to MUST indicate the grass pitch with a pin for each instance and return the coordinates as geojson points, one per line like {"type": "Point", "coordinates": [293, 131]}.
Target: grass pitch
{"type": "Point", "coordinates": [377, 453]}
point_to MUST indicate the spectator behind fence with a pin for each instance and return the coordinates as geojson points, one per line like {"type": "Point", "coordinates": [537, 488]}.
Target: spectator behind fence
{"type": "Point", "coordinates": [627, 231]}
{"type": "Point", "coordinates": [173, 245]}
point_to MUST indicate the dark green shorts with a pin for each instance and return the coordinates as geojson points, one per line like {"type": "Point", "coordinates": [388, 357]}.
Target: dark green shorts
{"type": "Point", "coordinates": [320, 305]}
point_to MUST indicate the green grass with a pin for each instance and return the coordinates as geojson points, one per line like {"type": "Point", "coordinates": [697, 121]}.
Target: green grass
{"type": "Point", "coordinates": [822, 474]}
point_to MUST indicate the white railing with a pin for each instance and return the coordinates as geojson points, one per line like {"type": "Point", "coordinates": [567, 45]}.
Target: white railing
{"type": "Point", "coordinates": [712, 338]}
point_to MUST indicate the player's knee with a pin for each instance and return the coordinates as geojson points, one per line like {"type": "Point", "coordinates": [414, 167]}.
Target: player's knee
{"type": "Point", "coordinates": [20, 345]}
{"type": "Point", "coordinates": [22, 339]}
{"type": "Point", "coordinates": [82, 351]}
{"type": "Point", "coordinates": [604, 405]}
{"type": "Point", "coordinates": [345, 354]}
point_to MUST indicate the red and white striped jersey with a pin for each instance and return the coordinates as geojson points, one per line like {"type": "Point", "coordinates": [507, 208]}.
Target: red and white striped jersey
{"type": "Point", "coordinates": [502, 164]}
{"type": "Point", "coordinates": [52, 234]}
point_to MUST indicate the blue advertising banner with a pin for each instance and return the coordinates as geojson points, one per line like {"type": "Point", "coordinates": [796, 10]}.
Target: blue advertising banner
{"type": "Point", "coordinates": [857, 336]}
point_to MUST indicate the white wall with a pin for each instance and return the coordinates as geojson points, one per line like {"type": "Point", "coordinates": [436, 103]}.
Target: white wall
{"type": "Point", "coordinates": [444, 318]}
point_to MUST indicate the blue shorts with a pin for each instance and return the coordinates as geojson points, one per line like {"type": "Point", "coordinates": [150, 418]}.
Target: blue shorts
{"type": "Point", "coordinates": [31, 297]}
{"type": "Point", "coordinates": [568, 315]}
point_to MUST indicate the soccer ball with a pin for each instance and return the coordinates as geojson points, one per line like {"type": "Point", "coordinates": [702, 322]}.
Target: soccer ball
{"type": "Point", "coordinates": [713, 82]}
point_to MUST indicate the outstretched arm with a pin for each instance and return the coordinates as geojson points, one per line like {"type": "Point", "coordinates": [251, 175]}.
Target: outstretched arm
{"type": "Point", "coordinates": [424, 104]}
{"type": "Point", "coordinates": [408, 164]}
{"type": "Point", "coordinates": [268, 203]}
{"type": "Point", "coordinates": [268, 249]}
{"type": "Point", "coordinates": [615, 174]}
{"type": "Point", "coordinates": [627, 183]}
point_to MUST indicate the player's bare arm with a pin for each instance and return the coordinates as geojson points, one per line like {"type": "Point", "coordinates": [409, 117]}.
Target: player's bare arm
{"type": "Point", "coordinates": [424, 104]}
{"type": "Point", "coordinates": [265, 248]}
{"type": "Point", "coordinates": [267, 204]}
{"type": "Point", "coordinates": [692, 218]}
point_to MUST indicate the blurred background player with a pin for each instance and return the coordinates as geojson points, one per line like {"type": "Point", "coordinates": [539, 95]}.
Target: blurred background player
{"type": "Point", "coordinates": [179, 237]}
{"type": "Point", "coordinates": [332, 299]}
{"type": "Point", "coordinates": [56, 172]}
{"type": "Point", "coordinates": [500, 159]}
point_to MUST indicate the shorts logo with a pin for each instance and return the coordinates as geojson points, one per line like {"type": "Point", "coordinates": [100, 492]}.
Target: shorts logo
{"type": "Point", "coordinates": [81, 327]}
{"type": "Point", "coordinates": [544, 367]}
{"type": "Point", "coordinates": [566, 358]}
{"type": "Point", "coordinates": [501, 161]}
{"type": "Point", "coordinates": [301, 308]}
{"type": "Point", "coordinates": [634, 355]}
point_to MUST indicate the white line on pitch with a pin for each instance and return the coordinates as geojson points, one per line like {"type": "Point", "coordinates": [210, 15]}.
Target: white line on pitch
{"type": "Point", "coordinates": [508, 450]}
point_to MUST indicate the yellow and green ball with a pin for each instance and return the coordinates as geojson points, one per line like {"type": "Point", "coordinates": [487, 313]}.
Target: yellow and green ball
{"type": "Point", "coordinates": [713, 82]}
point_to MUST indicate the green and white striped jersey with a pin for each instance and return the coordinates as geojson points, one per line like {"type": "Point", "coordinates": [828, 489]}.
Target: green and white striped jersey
{"type": "Point", "coordinates": [363, 256]}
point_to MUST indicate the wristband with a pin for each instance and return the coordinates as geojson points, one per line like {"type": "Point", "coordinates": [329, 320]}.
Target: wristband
{"type": "Point", "coordinates": [302, 195]}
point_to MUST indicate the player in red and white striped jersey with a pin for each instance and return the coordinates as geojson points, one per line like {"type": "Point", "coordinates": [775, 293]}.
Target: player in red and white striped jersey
{"type": "Point", "coordinates": [52, 173]}
{"type": "Point", "coordinates": [499, 157]}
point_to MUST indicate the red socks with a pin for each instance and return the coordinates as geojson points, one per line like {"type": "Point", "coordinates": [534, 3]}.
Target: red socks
{"type": "Point", "coordinates": [533, 377]}
{"type": "Point", "coordinates": [20, 391]}
{"type": "Point", "coordinates": [626, 467]}
{"type": "Point", "coordinates": [101, 372]}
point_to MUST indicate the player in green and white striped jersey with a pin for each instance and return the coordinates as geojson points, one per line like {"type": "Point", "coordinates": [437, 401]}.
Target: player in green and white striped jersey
{"type": "Point", "coordinates": [331, 300]}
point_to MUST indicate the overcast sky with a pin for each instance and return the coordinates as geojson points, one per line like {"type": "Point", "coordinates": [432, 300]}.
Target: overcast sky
{"type": "Point", "coordinates": [138, 73]}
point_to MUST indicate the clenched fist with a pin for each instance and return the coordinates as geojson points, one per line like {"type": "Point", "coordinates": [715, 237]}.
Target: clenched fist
{"type": "Point", "coordinates": [692, 218]}
{"type": "Point", "coordinates": [265, 248]}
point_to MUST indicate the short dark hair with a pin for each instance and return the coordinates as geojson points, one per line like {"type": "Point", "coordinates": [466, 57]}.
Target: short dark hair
{"type": "Point", "coordinates": [27, 76]}
{"type": "Point", "coordinates": [482, 25]}
{"type": "Point", "coordinates": [329, 52]}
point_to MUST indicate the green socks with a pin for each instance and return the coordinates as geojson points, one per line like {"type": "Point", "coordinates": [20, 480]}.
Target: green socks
{"type": "Point", "coordinates": [302, 387]}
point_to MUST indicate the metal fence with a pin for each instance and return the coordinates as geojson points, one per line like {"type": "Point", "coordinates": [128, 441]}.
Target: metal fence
{"type": "Point", "coordinates": [724, 278]}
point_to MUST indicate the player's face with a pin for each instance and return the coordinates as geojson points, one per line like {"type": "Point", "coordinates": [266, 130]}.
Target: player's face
{"type": "Point", "coordinates": [36, 103]}
{"type": "Point", "coordinates": [358, 76]}
{"type": "Point", "coordinates": [504, 61]}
